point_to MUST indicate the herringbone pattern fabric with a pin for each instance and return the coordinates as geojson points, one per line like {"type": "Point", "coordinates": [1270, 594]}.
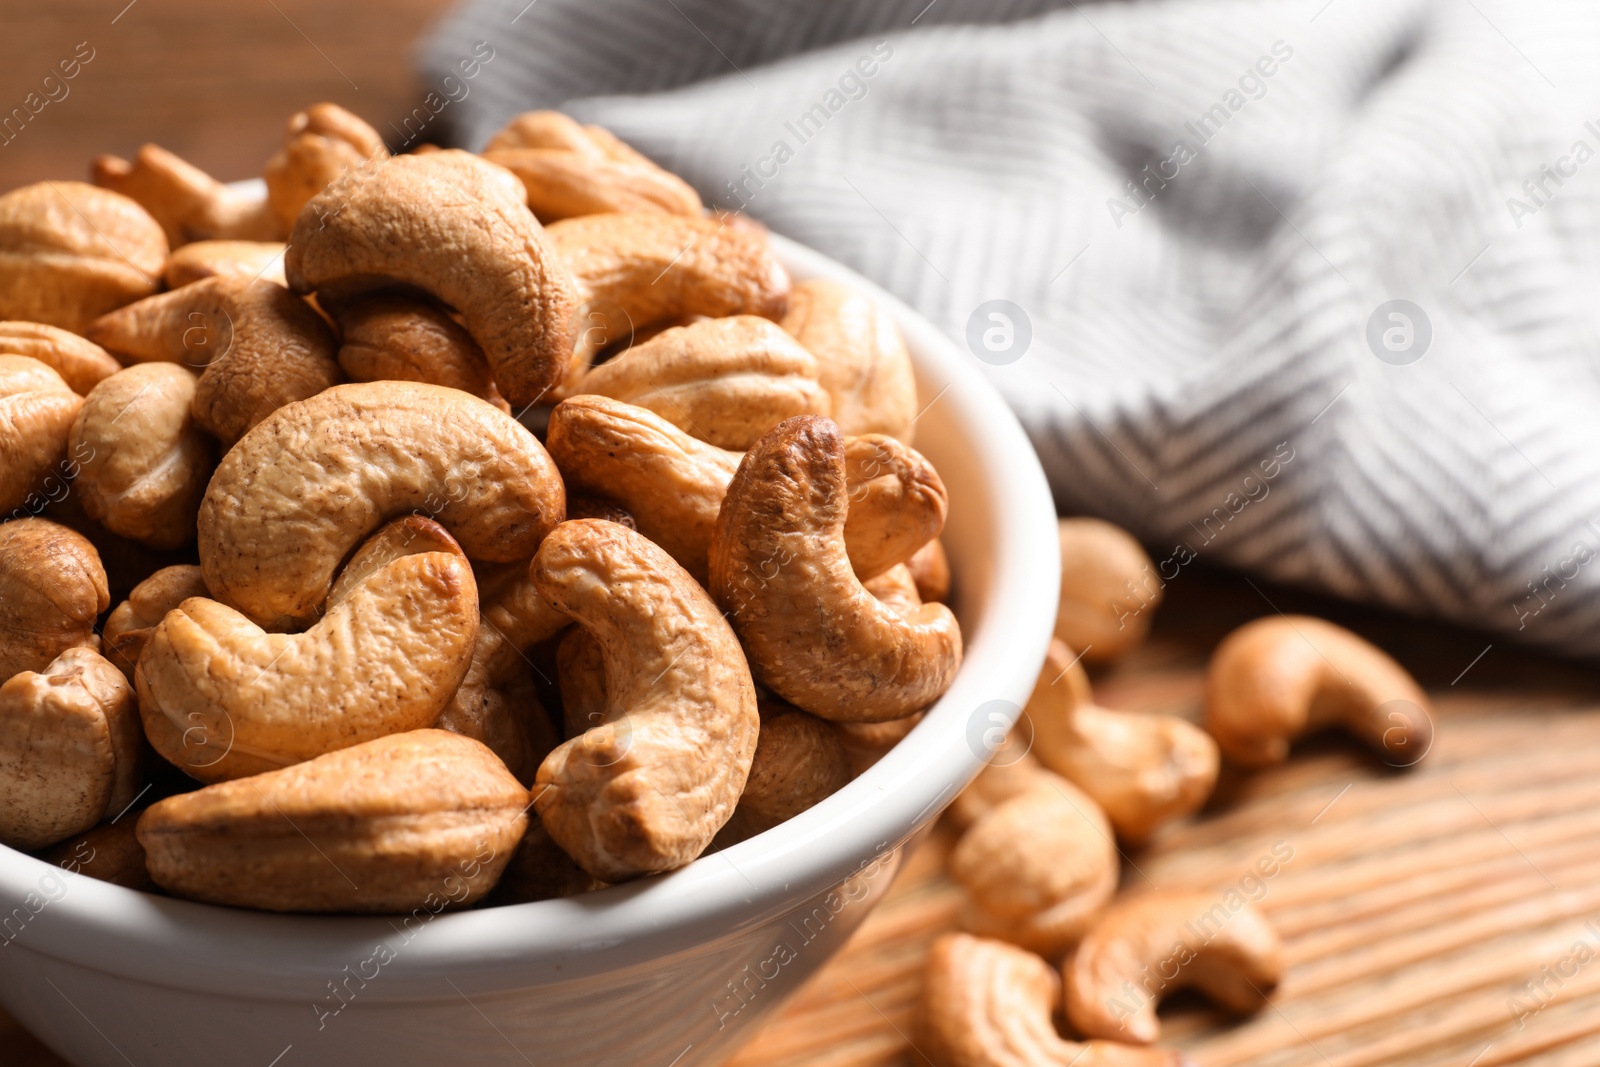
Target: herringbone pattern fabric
{"type": "Point", "coordinates": [1198, 206]}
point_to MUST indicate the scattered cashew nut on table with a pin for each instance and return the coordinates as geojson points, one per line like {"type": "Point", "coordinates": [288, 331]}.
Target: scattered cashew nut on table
{"type": "Point", "coordinates": [1109, 589]}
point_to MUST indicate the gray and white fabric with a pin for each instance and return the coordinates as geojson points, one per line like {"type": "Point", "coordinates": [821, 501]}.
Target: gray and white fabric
{"type": "Point", "coordinates": [1311, 289]}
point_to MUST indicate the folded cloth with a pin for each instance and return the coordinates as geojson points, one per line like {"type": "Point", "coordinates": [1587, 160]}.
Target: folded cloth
{"type": "Point", "coordinates": [1308, 289]}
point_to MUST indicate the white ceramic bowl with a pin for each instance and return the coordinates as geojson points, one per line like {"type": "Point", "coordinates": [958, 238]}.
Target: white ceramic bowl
{"type": "Point", "coordinates": [668, 972]}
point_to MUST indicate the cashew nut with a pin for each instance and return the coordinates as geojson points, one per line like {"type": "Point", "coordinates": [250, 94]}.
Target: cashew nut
{"type": "Point", "coordinates": [70, 252]}
{"type": "Point", "coordinates": [726, 381]}
{"type": "Point", "coordinates": [52, 589]}
{"type": "Point", "coordinates": [1146, 946]}
{"type": "Point", "coordinates": [229, 259]}
{"type": "Point", "coordinates": [69, 749]}
{"type": "Point", "coordinates": [469, 241]}
{"type": "Point", "coordinates": [1142, 769]}
{"type": "Point", "coordinates": [131, 622]}
{"type": "Point", "coordinates": [319, 145]}
{"type": "Point", "coordinates": [581, 678]}
{"type": "Point", "coordinates": [271, 550]}
{"type": "Point", "coordinates": [1277, 678]}
{"type": "Point", "coordinates": [222, 699]}
{"type": "Point", "coordinates": [861, 358]}
{"type": "Point", "coordinates": [396, 338]}
{"type": "Point", "coordinates": [260, 346]}
{"type": "Point", "coordinates": [36, 413]}
{"type": "Point", "coordinates": [512, 606]}
{"type": "Point", "coordinates": [865, 743]}
{"type": "Point", "coordinates": [779, 565]}
{"type": "Point", "coordinates": [800, 761]}
{"type": "Point", "coordinates": [1038, 867]}
{"type": "Point", "coordinates": [426, 819]}
{"type": "Point", "coordinates": [1109, 590]}
{"type": "Point", "coordinates": [635, 794]}
{"type": "Point", "coordinates": [144, 463]}
{"type": "Point", "coordinates": [81, 363]}
{"type": "Point", "coordinates": [673, 484]}
{"type": "Point", "coordinates": [988, 1004]}
{"type": "Point", "coordinates": [930, 569]}
{"type": "Point", "coordinates": [546, 129]}
{"type": "Point", "coordinates": [189, 204]}
{"type": "Point", "coordinates": [563, 184]}
{"type": "Point", "coordinates": [657, 267]}
{"type": "Point", "coordinates": [109, 852]}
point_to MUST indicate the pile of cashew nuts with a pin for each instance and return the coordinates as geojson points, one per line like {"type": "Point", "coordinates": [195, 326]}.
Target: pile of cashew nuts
{"type": "Point", "coordinates": [1046, 931]}
{"type": "Point", "coordinates": [383, 647]}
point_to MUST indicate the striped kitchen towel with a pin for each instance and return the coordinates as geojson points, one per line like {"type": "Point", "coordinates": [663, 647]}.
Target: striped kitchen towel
{"type": "Point", "coordinates": [1308, 289]}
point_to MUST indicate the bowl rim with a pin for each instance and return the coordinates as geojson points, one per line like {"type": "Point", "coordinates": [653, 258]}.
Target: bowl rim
{"type": "Point", "coordinates": [268, 956]}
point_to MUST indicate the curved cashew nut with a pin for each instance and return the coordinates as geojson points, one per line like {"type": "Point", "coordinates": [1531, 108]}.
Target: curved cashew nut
{"type": "Point", "coordinates": [189, 204]}
{"type": "Point", "coordinates": [131, 622]}
{"type": "Point", "coordinates": [726, 381]}
{"type": "Point", "coordinates": [1146, 946]}
{"type": "Point", "coordinates": [81, 363]}
{"type": "Point", "coordinates": [36, 413]}
{"type": "Point", "coordinates": [800, 761]}
{"type": "Point", "coordinates": [1275, 679]}
{"type": "Point", "coordinates": [673, 484]}
{"type": "Point", "coordinates": [779, 564]}
{"type": "Point", "coordinates": [222, 699]}
{"type": "Point", "coordinates": [471, 243]}
{"type": "Point", "coordinates": [930, 569]}
{"type": "Point", "coordinates": [635, 795]}
{"type": "Point", "coordinates": [861, 358]}
{"type": "Point", "coordinates": [546, 129]}
{"type": "Point", "coordinates": [563, 184]}
{"type": "Point", "coordinates": [52, 589]}
{"type": "Point", "coordinates": [1142, 769]}
{"type": "Point", "coordinates": [70, 749]}
{"type": "Point", "coordinates": [260, 346]}
{"type": "Point", "coordinates": [396, 338]}
{"type": "Point", "coordinates": [988, 1004]}
{"type": "Point", "coordinates": [70, 252]}
{"type": "Point", "coordinates": [420, 819]}
{"type": "Point", "coordinates": [512, 606]}
{"type": "Point", "coordinates": [657, 267]}
{"type": "Point", "coordinates": [229, 259]}
{"type": "Point", "coordinates": [1037, 867]}
{"type": "Point", "coordinates": [271, 550]}
{"type": "Point", "coordinates": [1109, 590]}
{"type": "Point", "coordinates": [320, 144]}
{"type": "Point", "coordinates": [144, 464]}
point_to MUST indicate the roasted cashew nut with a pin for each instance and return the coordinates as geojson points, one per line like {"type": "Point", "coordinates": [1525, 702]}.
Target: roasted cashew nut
{"type": "Point", "coordinates": [1277, 678]}
{"type": "Point", "coordinates": [1038, 867]}
{"type": "Point", "coordinates": [930, 569]}
{"type": "Point", "coordinates": [52, 589]}
{"type": "Point", "coordinates": [393, 448]}
{"type": "Point", "coordinates": [726, 381]}
{"type": "Point", "coordinates": [469, 241]}
{"type": "Point", "coordinates": [222, 699]}
{"type": "Point", "coordinates": [69, 749]}
{"type": "Point", "coordinates": [36, 413]}
{"type": "Point", "coordinates": [779, 565]}
{"type": "Point", "coordinates": [319, 144]}
{"type": "Point", "coordinates": [256, 346]}
{"type": "Point", "coordinates": [397, 338]}
{"type": "Point", "coordinates": [636, 794]}
{"type": "Point", "coordinates": [1109, 590]}
{"type": "Point", "coordinates": [143, 463]}
{"type": "Point", "coordinates": [70, 252]}
{"type": "Point", "coordinates": [189, 204]}
{"type": "Point", "coordinates": [563, 184]}
{"type": "Point", "coordinates": [425, 819]}
{"type": "Point", "coordinates": [227, 259]}
{"type": "Point", "coordinates": [800, 761]}
{"type": "Point", "coordinates": [989, 1004]}
{"type": "Point", "coordinates": [673, 484]}
{"type": "Point", "coordinates": [81, 363]}
{"type": "Point", "coordinates": [131, 622]}
{"type": "Point", "coordinates": [1146, 946]}
{"type": "Point", "coordinates": [861, 358]}
{"type": "Point", "coordinates": [1144, 770]}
